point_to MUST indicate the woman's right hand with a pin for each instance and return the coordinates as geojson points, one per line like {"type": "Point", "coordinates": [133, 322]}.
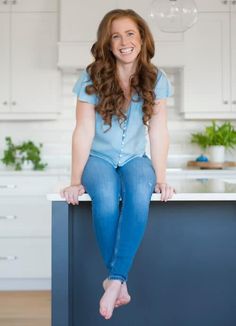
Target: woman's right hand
{"type": "Point", "coordinates": [72, 192]}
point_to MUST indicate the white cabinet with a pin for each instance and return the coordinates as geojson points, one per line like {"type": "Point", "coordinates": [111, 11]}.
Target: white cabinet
{"type": "Point", "coordinates": [213, 5]}
{"type": "Point", "coordinates": [207, 64]}
{"type": "Point", "coordinates": [34, 67]}
{"type": "Point", "coordinates": [25, 228]}
{"type": "Point", "coordinates": [33, 5]}
{"type": "Point", "coordinates": [233, 58]}
{"type": "Point", "coordinates": [28, 5]}
{"type": "Point", "coordinates": [208, 81]}
{"type": "Point", "coordinates": [25, 258]}
{"type": "Point", "coordinates": [4, 62]}
{"type": "Point", "coordinates": [20, 217]}
{"type": "Point", "coordinates": [5, 6]}
{"type": "Point", "coordinates": [28, 57]}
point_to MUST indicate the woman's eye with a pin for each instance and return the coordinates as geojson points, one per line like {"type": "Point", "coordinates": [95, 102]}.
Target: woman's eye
{"type": "Point", "coordinates": [130, 34]}
{"type": "Point", "coordinates": [115, 37]}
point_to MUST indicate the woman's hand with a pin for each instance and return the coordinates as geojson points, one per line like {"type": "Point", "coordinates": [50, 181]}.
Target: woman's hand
{"type": "Point", "coordinates": [72, 192]}
{"type": "Point", "coordinates": [166, 190]}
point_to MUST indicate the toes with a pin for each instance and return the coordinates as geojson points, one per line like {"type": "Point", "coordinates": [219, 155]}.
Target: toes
{"type": "Point", "coordinates": [108, 316]}
{"type": "Point", "coordinates": [103, 312]}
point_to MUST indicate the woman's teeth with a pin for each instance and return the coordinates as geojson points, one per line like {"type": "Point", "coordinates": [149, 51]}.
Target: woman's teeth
{"type": "Point", "coordinates": [126, 50]}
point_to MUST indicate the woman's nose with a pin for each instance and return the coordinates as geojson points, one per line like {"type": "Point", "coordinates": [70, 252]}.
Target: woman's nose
{"type": "Point", "coordinates": [123, 40]}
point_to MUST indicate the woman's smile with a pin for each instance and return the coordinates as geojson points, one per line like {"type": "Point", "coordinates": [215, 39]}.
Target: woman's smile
{"type": "Point", "coordinates": [126, 50]}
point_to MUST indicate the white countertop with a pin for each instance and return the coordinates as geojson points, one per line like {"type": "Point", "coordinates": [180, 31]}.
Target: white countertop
{"type": "Point", "coordinates": [188, 189]}
{"type": "Point", "coordinates": [171, 172]}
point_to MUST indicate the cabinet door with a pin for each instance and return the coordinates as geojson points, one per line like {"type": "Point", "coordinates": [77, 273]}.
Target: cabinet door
{"type": "Point", "coordinates": [35, 78]}
{"type": "Point", "coordinates": [233, 59]}
{"type": "Point", "coordinates": [79, 19]}
{"type": "Point", "coordinates": [207, 69]}
{"type": "Point", "coordinates": [25, 217]}
{"type": "Point", "coordinates": [25, 258]}
{"type": "Point", "coordinates": [4, 61]}
{"type": "Point", "coordinates": [213, 5]}
{"type": "Point", "coordinates": [34, 5]}
{"type": "Point", "coordinates": [5, 6]}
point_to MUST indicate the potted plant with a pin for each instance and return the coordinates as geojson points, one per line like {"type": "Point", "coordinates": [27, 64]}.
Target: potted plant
{"type": "Point", "coordinates": [216, 138]}
{"type": "Point", "coordinates": [18, 156]}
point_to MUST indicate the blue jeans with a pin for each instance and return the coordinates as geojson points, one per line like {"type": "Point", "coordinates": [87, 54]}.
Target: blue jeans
{"type": "Point", "coordinates": [119, 225]}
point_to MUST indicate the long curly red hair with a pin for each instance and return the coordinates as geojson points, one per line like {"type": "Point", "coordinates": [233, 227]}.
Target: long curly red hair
{"type": "Point", "coordinates": [103, 70]}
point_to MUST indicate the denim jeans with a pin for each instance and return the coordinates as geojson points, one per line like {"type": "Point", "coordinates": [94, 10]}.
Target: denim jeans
{"type": "Point", "coordinates": [119, 225]}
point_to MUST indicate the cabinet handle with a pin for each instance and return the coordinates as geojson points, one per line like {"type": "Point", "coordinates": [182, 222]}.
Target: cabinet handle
{"type": "Point", "coordinates": [234, 102]}
{"type": "Point", "coordinates": [5, 103]}
{"type": "Point", "coordinates": [225, 102]}
{"type": "Point", "coordinates": [5, 2]}
{"type": "Point", "coordinates": [8, 217]}
{"type": "Point", "coordinates": [233, 2]}
{"type": "Point", "coordinates": [13, 102]}
{"type": "Point", "coordinates": [8, 186]}
{"type": "Point", "coordinates": [8, 257]}
{"type": "Point", "coordinates": [225, 2]}
{"type": "Point", "coordinates": [14, 2]}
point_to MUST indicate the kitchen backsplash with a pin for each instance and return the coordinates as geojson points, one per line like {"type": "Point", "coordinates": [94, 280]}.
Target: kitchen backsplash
{"type": "Point", "coordinates": [56, 135]}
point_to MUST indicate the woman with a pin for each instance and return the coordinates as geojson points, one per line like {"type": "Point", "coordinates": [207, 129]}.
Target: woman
{"type": "Point", "coordinates": [120, 96]}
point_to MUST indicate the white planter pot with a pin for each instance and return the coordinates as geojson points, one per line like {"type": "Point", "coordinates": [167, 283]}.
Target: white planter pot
{"type": "Point", "coordinates": [217, 154]}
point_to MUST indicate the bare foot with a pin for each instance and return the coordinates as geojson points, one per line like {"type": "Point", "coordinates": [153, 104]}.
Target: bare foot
{"type": "Point", "coordinates": [123, 298]}
{"type": "Point", "coordinates": [107, 302]}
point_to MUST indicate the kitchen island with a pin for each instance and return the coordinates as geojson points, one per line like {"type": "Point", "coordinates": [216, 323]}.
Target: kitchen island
{"type": "Point", "coordinates": [184, 271]}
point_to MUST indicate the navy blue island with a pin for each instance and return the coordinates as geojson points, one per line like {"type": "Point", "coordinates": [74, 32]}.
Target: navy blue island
{"type": "Point", "coordinates": [184, 273]}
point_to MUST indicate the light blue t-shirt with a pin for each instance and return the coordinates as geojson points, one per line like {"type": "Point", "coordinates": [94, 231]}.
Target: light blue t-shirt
{"type": "Point", "coordinates": [120, 144]}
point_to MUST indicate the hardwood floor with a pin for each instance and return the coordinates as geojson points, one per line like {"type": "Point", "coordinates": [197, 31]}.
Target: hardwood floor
{"type": "Point", "coordinates": [25, 308]}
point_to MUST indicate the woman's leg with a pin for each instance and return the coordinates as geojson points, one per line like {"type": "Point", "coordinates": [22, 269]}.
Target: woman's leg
{"type": "Point", "coordinates": [138, 180]}
{"type": "Point", "coordinates": [102, 183]}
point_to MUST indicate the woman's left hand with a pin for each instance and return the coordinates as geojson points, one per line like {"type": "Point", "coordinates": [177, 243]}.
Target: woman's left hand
{"type": "Point", "coordinates": [166, 190]}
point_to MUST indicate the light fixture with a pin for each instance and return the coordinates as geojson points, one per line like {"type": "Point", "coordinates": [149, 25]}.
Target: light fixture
{"type": "Point", "coordinates": [174, 16]}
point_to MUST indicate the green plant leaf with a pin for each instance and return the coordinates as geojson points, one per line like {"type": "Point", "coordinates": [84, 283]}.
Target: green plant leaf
{"type": "Point", "coordinates": [224, 135]}
{"type": "Point", "coordinates": [16, 155]}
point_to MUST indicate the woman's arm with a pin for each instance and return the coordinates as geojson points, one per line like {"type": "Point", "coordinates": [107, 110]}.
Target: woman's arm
{"type": "Point", "coordinates": [159, 145]}
{"type": "Point", "coordinates": [159, 140]}
{"type": "Point", "coordinates": [81, 144]}
{"type": "Point", "coordinates": [82, 139]}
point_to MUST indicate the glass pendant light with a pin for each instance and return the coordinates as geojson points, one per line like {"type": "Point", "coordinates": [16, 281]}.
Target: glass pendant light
{"type": "Point", "coordinates": [174, 16]}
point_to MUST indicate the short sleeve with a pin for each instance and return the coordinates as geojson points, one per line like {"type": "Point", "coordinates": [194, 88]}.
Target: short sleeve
{"type": "Point", "coordinates": [79, 89]}
{"type": "Point", "coordinates": [163, 87]}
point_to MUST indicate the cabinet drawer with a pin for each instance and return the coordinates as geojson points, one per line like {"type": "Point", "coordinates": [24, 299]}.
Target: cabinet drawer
{"type": "Point", "coordinates": [25, 216]}
{"type": "Point", "coordinates": [27, 185]}
{"type": "Point", "coordinates": [25, 258]}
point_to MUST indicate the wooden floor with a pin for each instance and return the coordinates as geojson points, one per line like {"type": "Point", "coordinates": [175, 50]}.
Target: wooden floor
{"type": "Point", "coordinates": [25, 308]}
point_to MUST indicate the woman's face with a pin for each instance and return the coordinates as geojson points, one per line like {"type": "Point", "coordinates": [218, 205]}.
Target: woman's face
{"type": "Point", "coordinates": [125, 40]}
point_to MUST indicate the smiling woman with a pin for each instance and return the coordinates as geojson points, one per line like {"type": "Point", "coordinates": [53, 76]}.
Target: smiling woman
{"type": "Point", "coordinates": [120, 97]}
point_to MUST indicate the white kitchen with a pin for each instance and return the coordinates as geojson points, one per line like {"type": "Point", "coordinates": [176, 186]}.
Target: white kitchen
{"type": "Point", "coordinates": [44, 47]}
